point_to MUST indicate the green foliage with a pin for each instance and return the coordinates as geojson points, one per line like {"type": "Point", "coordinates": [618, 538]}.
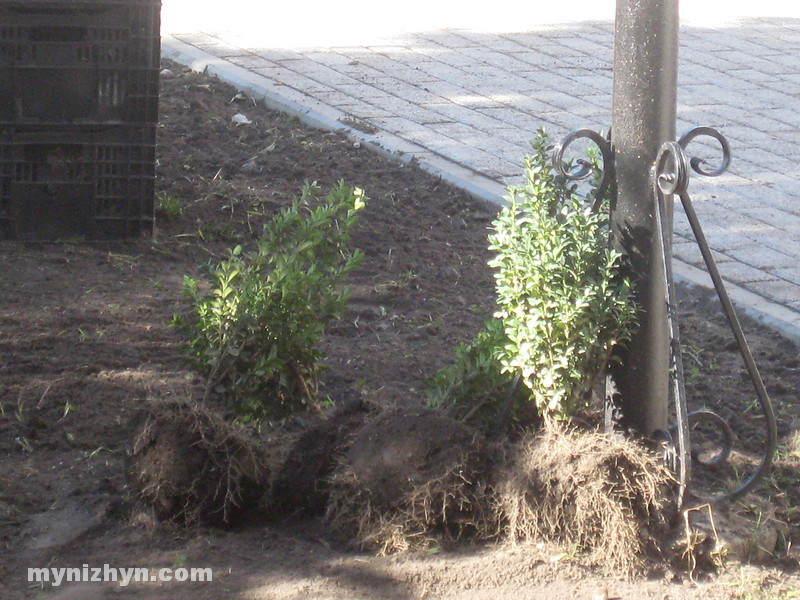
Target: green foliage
{"type": "Point", "coordinates": [169, 207]}
{"type": "Point", "coordinates": [474, 387]}
{"type": "Point", "coordinates": [561, 300]}
{"type": "Point", "coordinates": [254, 330]}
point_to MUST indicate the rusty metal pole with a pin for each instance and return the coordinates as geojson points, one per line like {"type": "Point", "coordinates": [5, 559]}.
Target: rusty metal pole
{"type": "Point", "coordinates": [643, 118]}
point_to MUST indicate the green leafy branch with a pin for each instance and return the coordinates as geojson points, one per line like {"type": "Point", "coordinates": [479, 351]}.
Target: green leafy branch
{"type": "Point", "coordinates": [254, 328]}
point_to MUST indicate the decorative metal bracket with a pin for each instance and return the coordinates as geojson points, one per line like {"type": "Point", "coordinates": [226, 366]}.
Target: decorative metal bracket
{"type": "Point", "coordinates": [671, 177]}
{"type": "Point", "coordinates": [582, 168]}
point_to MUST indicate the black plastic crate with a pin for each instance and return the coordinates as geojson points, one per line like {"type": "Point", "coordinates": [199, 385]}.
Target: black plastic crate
{"type": "Point", "coordinates": [91, 182]}
{"type": "Point", "coordinates": [72, 62]}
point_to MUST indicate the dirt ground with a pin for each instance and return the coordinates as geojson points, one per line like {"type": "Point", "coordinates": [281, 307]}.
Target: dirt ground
{"type": "Point", "coordinates": [85, 340]}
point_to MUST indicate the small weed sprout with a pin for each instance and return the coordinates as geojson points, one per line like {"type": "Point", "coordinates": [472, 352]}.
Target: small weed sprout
{"type": "Point", "coordinates": [169, 207]}
{"type": "Point", "coordinates": [254, 334]}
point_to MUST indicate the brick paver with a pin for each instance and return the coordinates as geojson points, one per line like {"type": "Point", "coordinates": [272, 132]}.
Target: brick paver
{"type": "Point", "coordinates": [474, 97]}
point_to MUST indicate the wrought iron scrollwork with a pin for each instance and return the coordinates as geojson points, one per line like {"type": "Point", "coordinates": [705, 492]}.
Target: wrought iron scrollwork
{"type": "Point", "coordinates": [713, 419]}
{"type": "Point", "coordinates": [671, 173]}
{"type": "Point", "coordinates": [671, 176]}
{"type": "Point", "coordinates": [581, 168]}
{"type": "Point", "coordinates": [695, 162]}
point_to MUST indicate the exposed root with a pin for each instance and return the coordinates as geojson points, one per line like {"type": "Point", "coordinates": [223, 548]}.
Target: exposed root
{"type": "Point", "coordinates": [597, 493]}
{"type": "Point", "coordinates": [401, 487]}
{"type": "Point", "coordinates": [301, 483]}
{"type": "Point", "coordinates": [190, 464]}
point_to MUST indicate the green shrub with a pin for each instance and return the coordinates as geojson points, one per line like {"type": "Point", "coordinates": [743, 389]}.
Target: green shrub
{"type": "Point", "coordinates": [561, 299]}
{"type": "Point", "coordinates": [474, 387]}
{"type": "Point", "coordinates": [254, 330]}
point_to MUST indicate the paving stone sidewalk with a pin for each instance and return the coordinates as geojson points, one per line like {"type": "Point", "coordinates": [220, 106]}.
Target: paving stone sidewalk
{"type": "Point", "coordinates": [466, 103]}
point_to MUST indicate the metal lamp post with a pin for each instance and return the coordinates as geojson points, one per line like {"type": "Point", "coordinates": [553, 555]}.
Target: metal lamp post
{"type": "Point", "coordinates": [643, 118]}
{"type": "Point", "coordinates": [649, 168]}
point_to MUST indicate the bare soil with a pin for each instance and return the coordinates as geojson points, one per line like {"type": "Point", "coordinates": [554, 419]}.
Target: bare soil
{"type": "Point", "coordinates": [86, 341]}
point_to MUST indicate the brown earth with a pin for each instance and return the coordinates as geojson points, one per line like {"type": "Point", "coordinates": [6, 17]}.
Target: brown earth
{"type": "Point", "coordinates": [85, 341]}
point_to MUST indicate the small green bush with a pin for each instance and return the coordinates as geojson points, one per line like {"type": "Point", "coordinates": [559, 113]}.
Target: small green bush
{"type": "Point", "coordinates": [253, 331]}
{"type": "Point", "coordinates": [561, 299]}
{"type": "Point", "coordinates": [474, 387]}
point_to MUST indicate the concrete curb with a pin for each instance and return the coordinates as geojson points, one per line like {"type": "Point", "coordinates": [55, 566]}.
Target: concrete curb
{"type": "Point", "coordinates": [772, 315]}
{"type": "Point", "coordinates": [316, 114]}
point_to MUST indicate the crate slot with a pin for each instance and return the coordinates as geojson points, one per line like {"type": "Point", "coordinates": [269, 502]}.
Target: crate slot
{"type": "Point", "coordinates": [81, 62]}
{"type": "Point", "coordinates": [55, 33]}
{"type": "Point", "coordinates": [96, 182]}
